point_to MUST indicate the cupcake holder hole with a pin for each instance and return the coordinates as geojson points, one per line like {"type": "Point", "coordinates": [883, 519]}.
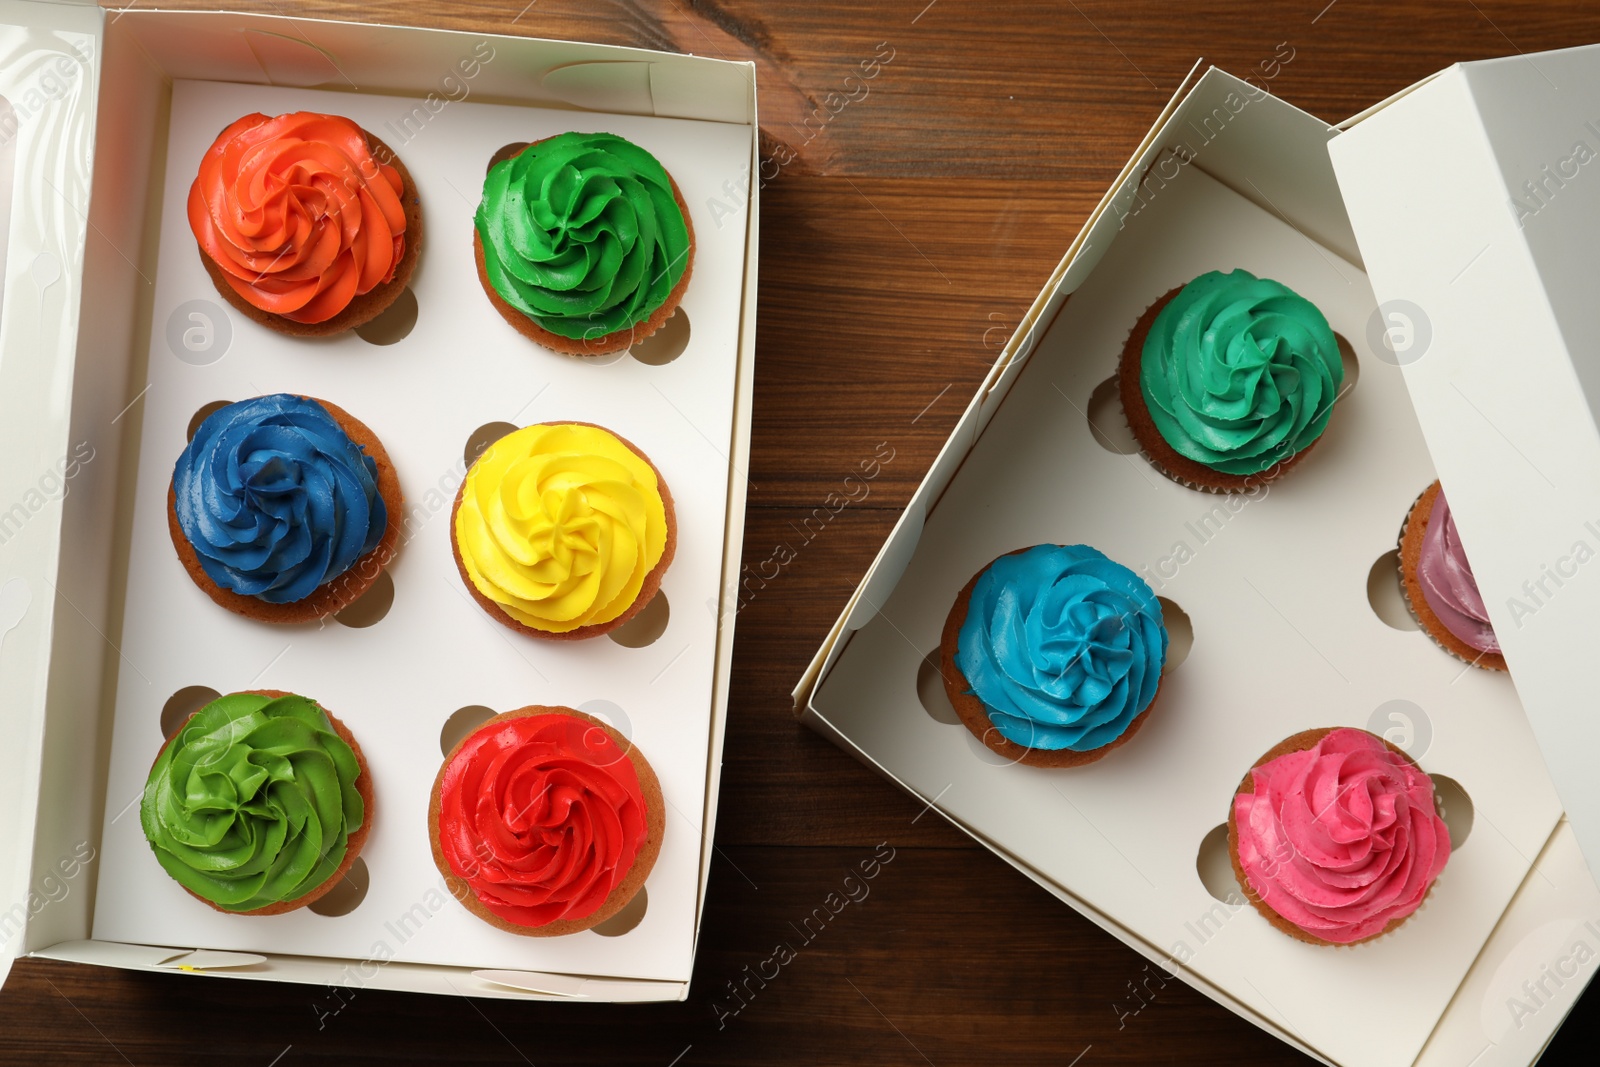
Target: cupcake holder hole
{"type": "Point", "coordinates": [182, 704]}
{"type": "Point", "coordinates": [204, 413]}
{"type": "Point", "coordinates": [931, 691]}
{"type": "Point", "coordinates": [1215, 866]}
{"type": "Point", "coordinates": [505, 153]}
{"type": "Point", "coordinates": [1455, 808]}
{"type": "Point", "coordinates": [1386, 595]}
{"type": "Point", "coordinates": [393, 323]}
{"type": "Point", "coordinates": [371, 606]}
{"type": "Point", "coordinates": [631, 915]}
{"type": "Point", "coordinates": [460, 724]}
{"type": "Point", "coordinates": [484, 436]}
{"type": "Point", "coordinates": [1180, 633]}
{"type": "Point", "coordinates": [1352, 366]}
{"type": "Point", "coordinates": [347, 895]}
{"type": "Point", "coordinates": [666, 344]}
{"type": "Point", "coordinates": [1107, 424]}
{"type": "Point", "coordinates": [647, 626]}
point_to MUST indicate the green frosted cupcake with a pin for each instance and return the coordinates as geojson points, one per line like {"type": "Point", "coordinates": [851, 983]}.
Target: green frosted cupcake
{"type": "Point", "coordinates": [583, 242]}
{"type": "Point", "coordinates": [1228, 381]}
{"type": "Point", "coordinates": [259, 803]}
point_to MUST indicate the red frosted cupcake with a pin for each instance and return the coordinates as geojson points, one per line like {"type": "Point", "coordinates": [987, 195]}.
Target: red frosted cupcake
{"type": "Point", "coordinates": [307, 223]}
{"type": "Point", "coordinates": [545, 821]}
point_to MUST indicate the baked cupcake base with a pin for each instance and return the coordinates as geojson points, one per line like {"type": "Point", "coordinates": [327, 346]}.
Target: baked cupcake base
{"type": "Point", "coordinates": [975, 717]}
{"type": "Point", "coordinates": [616, 341]}
{"type": "Point", "coordinates": [1412, 531]}
{"type": "Point", "coordinates": [339, 592]}
{"type": "Point", "coordinates": [647, 591]}
{"type": "Point", "coordinates": [620, 895]}
{"type": "Point", "coordinates": [1298, 743]}
{"type": "Point", "coordinates": [353, 843]}
{"type": "Point", "coordinates": [364, 307]}
{"type": "Point", "coordinates": [1162, 456]}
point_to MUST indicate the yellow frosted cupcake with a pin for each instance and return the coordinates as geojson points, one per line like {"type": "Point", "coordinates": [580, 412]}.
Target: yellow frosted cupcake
{"type": "Point", "coordinates": [563, 530]}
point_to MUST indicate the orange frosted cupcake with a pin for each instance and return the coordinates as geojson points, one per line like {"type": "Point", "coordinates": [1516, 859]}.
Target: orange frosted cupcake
{"type": "Point", "coordinates": [307, 223]}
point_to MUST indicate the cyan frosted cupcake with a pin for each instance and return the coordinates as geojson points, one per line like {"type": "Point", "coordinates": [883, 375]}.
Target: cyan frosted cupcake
{"type": "Point", "coordinates": [1052, 655]}
{"type": "Point", "coordinates": [1229, 380]}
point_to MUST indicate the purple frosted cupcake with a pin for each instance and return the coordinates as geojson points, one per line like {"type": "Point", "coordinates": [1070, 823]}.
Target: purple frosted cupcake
{"type": "Point", "coordinates": [1439, 585]}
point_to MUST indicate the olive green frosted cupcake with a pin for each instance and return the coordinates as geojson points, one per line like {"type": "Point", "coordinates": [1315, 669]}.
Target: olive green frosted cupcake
{"type": "Point", "coordinates": [259, 803]}
{"type": "Point", "coordinates": [583, 242]}
{"type": "Point", "coordinates": [1229, 380]}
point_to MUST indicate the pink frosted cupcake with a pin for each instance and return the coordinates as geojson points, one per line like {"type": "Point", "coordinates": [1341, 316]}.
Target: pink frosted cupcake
{"type": "Point", "coordinates": [1335, 838]}
{"type": "Point", "coordinates": [1439, 584]}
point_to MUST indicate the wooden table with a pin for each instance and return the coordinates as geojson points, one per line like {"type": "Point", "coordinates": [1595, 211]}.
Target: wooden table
{"type": "Point", "coordinates": [910, 229]}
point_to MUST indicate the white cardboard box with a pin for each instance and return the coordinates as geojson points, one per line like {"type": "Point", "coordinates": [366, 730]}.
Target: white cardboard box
{"type": "Point", "coordinates": [97, 384]}
{"type": "Point", "coordinates": [1284, 640]}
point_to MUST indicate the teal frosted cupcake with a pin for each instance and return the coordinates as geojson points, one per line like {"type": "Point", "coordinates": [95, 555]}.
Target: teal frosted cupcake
{"type": "Point", "coordinates": [1052, 655]}
{"type": "Point", "coordinates": [1228, 381]}
{"type": "Point", "coordinates": [259, 803]}
{"type": "Point", "coordinates": [583, 242]}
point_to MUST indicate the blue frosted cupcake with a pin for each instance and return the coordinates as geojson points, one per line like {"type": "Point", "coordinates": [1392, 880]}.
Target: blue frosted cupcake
{"type": "Point", "coordinates": [1052, 655]}
{"type": "Point", "coordinates": [284, 508]}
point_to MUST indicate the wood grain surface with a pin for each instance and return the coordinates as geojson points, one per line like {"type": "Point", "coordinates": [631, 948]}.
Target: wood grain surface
{"type": "Point", "coordinates": [900, 243]}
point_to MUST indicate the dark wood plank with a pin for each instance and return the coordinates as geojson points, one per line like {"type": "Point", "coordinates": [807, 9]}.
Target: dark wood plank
{"type": "Point", "coordinates": [782, 783]}
{"type": "Point", "coordinates": [943, 956]}
{"type": "Point", "coordinates": [909, 218]}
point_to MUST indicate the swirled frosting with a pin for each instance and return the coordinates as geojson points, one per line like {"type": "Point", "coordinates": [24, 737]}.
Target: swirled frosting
{"type": "Point", "coordinates": [252, 803]}
{"type": "Point", "coordinates": [1447, 582]}
{"type": "Point", "coordinates": [542, 816]}
{"type": "Point", "coordinates": [1239, 373]}
{"type": "Point", "coordinates": [298, 214]}
{"type": "Point", "coordinates": [1340, 838]}
{"type": "Point", "coordinates": [1063, 646]}
{"type": "Point", "coordinates": [276, 498]}
{"type": "Point", "coordinates": [560, 524]}
{"type": "Point", "coordinates": [582, 233]}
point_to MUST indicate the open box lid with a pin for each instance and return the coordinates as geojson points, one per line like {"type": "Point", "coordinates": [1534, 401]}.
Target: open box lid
{"type": "Point", "coordinates": [1475, 199]}
{"type": "Point", "coordinates": [49, 72]}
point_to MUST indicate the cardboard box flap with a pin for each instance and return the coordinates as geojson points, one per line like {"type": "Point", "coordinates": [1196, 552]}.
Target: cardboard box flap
{"type": "Point", "coordinates": [217, 46]}
{"type": "Point", "coordinates": [1476, 201]}
{"type": "Point", "coordinates": [48, 76]}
